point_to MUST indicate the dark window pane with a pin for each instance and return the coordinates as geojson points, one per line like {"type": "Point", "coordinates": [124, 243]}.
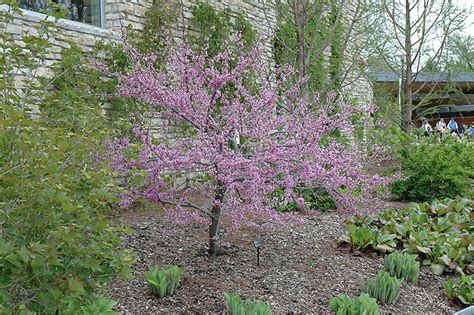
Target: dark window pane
{"type": "Point", "coordinates": [85, 11]}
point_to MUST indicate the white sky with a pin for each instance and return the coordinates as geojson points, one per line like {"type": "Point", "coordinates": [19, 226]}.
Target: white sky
{"type": "Point", "coordinates": [469, 5]}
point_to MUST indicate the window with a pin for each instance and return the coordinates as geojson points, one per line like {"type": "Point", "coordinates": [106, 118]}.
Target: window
{"type": "Point", "coordinates": [85, 11]}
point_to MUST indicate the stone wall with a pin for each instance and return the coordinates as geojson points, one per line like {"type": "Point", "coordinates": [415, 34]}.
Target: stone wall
{"type": "Point", "coordinates": [84, 35]}
{"type": "Point", "coordinates": [123, 13]}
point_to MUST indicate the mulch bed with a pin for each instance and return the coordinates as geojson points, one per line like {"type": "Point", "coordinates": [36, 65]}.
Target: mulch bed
{"type": "Point", "coordinates": [301, 268]}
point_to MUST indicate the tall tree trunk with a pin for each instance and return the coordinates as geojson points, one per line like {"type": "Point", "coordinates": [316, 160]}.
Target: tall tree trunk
{"type": "Point", "coordinates": [300, 19]}
{"type": "Point", "coordinates": [408, 89]}
{"type": "Point", "coordinates": [216, 212]}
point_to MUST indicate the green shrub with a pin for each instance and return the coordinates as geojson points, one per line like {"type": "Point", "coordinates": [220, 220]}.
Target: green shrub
{"type": "Point", "coordinates": [435, 170]}
{"type": "Point", "coordinates": [364, 304]}
{"type": "Point", "coordinates": [248, 307]}
{"type": "Point", "coordinates": [383, 287]}
{"type": "Point", "coordinates": [56, 248]}
{"type": "Point", "coordinates": [461, 289]}
{"type": "Point", "coordinates": [440, 233]}
{"type": "Point", "coordinates": [163, 281]}
{"type": "Point", "coordinates": [403, 266]}
{"type": "Point", "coordinates": [316, 198]}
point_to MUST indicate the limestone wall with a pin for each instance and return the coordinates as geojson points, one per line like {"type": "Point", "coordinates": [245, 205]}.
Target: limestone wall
{"type": "Point", "coordinates": [122, 13]}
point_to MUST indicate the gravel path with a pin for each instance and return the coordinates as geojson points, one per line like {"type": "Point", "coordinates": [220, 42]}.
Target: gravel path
{"type": "Point", "coordinates": [301, 269]}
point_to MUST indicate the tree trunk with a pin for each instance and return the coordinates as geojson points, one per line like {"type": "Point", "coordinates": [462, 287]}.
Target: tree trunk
{"type": "Point", "coordinates": [408, 88]}
{"type": "Point", "coordinates": [214, 229]}
{"type": "Point", "coordinates": [300, 19]}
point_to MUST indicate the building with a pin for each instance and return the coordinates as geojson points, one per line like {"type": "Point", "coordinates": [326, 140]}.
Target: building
{"type": "Point", "coordinates": [446, 95]}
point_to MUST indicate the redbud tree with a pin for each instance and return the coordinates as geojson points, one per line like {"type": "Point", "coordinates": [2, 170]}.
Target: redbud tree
{"type": "Point", "coordinates": [246, 136]}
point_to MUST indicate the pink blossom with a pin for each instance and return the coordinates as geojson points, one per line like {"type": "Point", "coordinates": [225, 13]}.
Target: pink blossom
{"type": "Point", "coordinates": [284, 140]}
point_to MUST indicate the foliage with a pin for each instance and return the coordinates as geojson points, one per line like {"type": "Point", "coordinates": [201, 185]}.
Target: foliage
{"type": "Point", "coordinates": [364, 304]}
{"type": "Point", "coordinates": [461, 289]}
{"type": "Point", "coordinates": [159, 21]}
{"type": "Point", "coordinates": [99, 306]}
{"type": "Point", "coordinates": [441, 233]}
{"type": "Point", "coordinates": [403, 266]}
{"type": "Point", "coordinates": [461, 56]}
{"type": "Point", "coordinates": [248, 307]}
{"type": "Point", "coordinates": [215, 29]}
{"type": "Point", "coordinates": [383, 287]}
{"type": "Point", "coordinates": [315, 198]}
{"type": "Point", "coordinates": [436, 170]}
{"type": "Point", "coordinates": [56, 247]}
{"type": "Point", "coordinates": [163, 281]}
{"type": "Point", "coordinates": [246, 143]}
{"type": "Point", "coordinates": [321, 32]}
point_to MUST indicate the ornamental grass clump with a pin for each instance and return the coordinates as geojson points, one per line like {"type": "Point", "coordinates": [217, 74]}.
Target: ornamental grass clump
{"type": "Point", "coordinates": [163, 281]}
{"type": "Point", "coordinates": [364, 304]}
{"type": "Point", "coordinates": [237, 306]}
{"type": "Point", "coordinates": [383, 287]}
{"type": "Point", "coordinates": [403, 266]}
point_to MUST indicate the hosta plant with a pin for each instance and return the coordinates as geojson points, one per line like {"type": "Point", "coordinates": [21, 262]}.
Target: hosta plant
{"type": "Point", "coordinates": [383, 287]}
{"type": "Point", "coordinates": [441, 233]}
{"type": "Point", "coordinates": [403, 266]}
{"type": "Point", "coordinates": [237, 306]}
{"type": "Point", "coordinates": [163, 281]}
{"type": "Point", "coordinates": [344, 305]}
{"type": "Point", "coordinates": [462, 289]}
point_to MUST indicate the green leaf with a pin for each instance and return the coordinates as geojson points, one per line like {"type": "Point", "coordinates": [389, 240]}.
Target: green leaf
{"type": "Point", "coordinates": [424, 250]}
{"type": "Point", "coordinates": [75, 285]}
{"type": "Point", "coordinates": [445, 259]}
{"type": "Point", "coordinates": [437, 269]}
{"type": "Point", "coordinates": [384, 248]}
{"type": "Point", "coordinates": [401, 229]}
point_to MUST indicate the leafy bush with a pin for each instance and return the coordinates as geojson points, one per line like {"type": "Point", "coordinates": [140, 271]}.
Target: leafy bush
{"type": "Point", "coordinates": [364, 304]}
{"type": "Point", "coordinates": [435, 170]}
{"type": "Point", "coordinates": [441, 233]}
{"type": "Point", "coordinates": [316, 198]}
{"type": "Point", "coordinates": [247, 307]}
{"type": "Point", "coordinates": [163, 281]}
{"type": "Point", "coordinates": [99, 306]}
{"type": "Point", "coordinates": [56, 248]}
{"type": "Point", "coordinates": [403, 266]}
{"type": "Point", "coordinates": [383, 287]}
{"type": "Point", "coordinates": [462, 289]}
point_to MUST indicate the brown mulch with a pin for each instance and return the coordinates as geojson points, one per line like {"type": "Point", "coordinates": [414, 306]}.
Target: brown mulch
{"type": "Point", "coordinates": [301, 269]}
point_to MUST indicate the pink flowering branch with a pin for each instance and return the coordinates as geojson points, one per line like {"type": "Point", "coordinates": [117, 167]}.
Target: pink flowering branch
{"type": "Point", "coordinates": [249, 136]}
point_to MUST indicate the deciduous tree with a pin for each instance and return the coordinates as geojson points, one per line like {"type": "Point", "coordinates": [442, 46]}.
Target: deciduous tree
{"type": "Point", "coordinates": [246, 137]}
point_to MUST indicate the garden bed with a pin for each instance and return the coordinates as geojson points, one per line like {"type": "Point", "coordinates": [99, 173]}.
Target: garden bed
{"type": "Point", "coordinates": [301, 269]}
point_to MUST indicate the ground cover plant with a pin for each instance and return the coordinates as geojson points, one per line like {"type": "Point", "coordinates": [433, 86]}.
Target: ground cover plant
{"type": "Point", "coordinates": [344, 305]}
{"type": "Point", "coordinates": [383, 287]}
{"type": "Point", "coordinates": [163, 281]}
{"type": "Point", "coordinates": [237, 306]}
{"type": "Point", "coordinates": [435, 170]}
{"type": "Point", "coordinates": [240, 139]}
{"type": "Point", "coordinates": [403, 266]}
{"type": "Point", "coordinates": [461, 289]}
{"type": "Point", "coordinates": [441, 233]}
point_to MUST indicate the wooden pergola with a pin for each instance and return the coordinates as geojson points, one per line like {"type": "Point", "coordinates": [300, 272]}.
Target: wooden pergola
{"type": "Point", "coordinates": [440, 95]}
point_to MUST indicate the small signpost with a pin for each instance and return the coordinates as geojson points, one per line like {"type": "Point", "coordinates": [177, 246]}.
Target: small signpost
{"type": "Point", "coordinates": [257, 244]}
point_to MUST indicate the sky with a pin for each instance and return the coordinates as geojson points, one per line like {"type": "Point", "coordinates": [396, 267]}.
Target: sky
{"type": "Point", "coordinates": [469, 4]}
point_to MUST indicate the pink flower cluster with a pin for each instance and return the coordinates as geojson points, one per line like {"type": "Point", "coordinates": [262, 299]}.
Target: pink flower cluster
{"type": "Point", "coordinates": [251, 134]}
